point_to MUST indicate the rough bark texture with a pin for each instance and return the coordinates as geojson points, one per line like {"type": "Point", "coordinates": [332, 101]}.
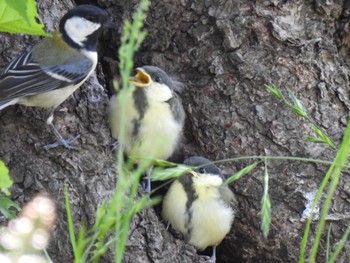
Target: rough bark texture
{"type": "Point", "coordinates": [224, 52]}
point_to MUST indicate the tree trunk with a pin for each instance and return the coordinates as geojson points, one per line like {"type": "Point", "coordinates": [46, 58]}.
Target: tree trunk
{"type": "Point", "coordinates": [224, 52]}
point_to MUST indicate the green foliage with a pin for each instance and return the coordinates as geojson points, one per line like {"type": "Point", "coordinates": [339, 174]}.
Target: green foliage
{"type": "Point", "coordinates": [240, 173]}
{"type": "Point", "coordinates": [334, 171]}
{"type": "Point", "coordinates": [328, 244]}
{"type": "Point", "coordinates": [71, 224]}
{"type": "Point", "coordinates": [298, 109]}
{"type": "Point", "coordinates": [8, 208]}
{"type": "Point", "coordinates": [332, 177]}
{"type": "Point", "coordinates": [126, 190]}
{"type": "Point", "coordinates": [113, 218]}
{"type": "Point", "coordinates": [339, 246]}
{"type": "Point", "coordinates": [155, 162]}
{"type": "Point", "coordinates": [20, 16]}
{"type": "Point", "coordinates": [323, 136]}
{"type": "Point", "coordinates": [21, 7]}
{"type": "Point", "coordinates": [5, 180]}
{"type": "Point", "coordinates": [265, 206]}
{"type": "Point", "coordinates": [130, 42]}
{"type": "Point", "coordinates": [161, 174]}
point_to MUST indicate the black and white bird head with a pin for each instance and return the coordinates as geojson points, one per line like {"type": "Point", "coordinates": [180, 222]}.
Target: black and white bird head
{"type": "Point", "coordinates": [206, 173]}
{"type": "Point", "coordinates": [156, 83]}
{"type": "Point", "coordinates": [82, 26]}
{"type": "Point", "coordinates": [205, 165]}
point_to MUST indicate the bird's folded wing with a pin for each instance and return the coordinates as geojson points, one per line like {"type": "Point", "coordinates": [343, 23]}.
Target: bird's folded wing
{"type": "Point", "coordinates": [177, 108]}
{"type": "Point", "coordinates": [25, 77]}
{"type": "Point", "coordinates": [227, 195]}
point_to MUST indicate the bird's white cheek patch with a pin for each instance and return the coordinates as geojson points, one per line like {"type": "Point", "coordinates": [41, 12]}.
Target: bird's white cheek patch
{"type": "Point", "coordinates": [79, 28]}
{"type": "Point", "coordinates": [208, 180]}
{"type": "Point", "coordinates": [158, 93]}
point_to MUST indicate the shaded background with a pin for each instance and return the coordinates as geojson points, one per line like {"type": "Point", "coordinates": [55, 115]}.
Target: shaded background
{"type": "Point", "coordinates": [224, 52]}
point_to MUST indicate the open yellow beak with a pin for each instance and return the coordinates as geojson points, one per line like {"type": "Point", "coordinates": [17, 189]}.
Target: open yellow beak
{"type": "Point", "coordinates": [194, 174]}
{"type": "Point", "coordinates": [141, 79]}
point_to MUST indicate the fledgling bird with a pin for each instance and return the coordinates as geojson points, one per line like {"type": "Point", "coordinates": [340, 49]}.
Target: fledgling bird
{"type": "Point", "coordinates": [48, 73]}
{"type": "Point", "coordinates": [154, 117]}
{"type": "Point", "coordinates": [199, 207]}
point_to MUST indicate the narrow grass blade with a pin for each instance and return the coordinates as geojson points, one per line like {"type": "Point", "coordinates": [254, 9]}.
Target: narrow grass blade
{"type": "Point", "coordinates": [339, 161]}
{"type": "Point", "coordinates": [297, 107]}
{"type": "Point", "coordinates": [323, 136]}
{"type": "Point", "coordinates": [314, 139]}
{"type": "Point", "coordinates": [161, 174]}
{"type": "Point", "coordinates": [308, 223]}
{"type": "Point", "coordinates": [47, 256]}
{"type": "Point", "coordinates": [328, 244]}
{"type": "Point", "coordinates": [266, 206]}
{"type": "Point", "coordinates": [156, 162]}
{"type": "Point", "coordinates": [339, 246]}
{"type": "Point", "coordinates": [275, 91]}
{"type": "Point", "coordinates": [71, 224]}
{"type": "Point", "coordinates": [240, 173]}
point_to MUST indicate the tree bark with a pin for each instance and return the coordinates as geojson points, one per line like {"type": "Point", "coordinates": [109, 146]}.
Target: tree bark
{"type": "Point", "coordinates": [224, 52]}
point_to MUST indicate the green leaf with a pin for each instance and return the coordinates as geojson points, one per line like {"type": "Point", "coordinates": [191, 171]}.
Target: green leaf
{"type": "Point", "coordinates": [149, 161]}
{"type": "Point", "coordinates": [328, 244]}
{"type": "Point", "coordinates": [7, 206]}
{"type": "Point", "coordinates": [266, 206]}
{"type": "Point", "coordinates": [162, 163]}
{"type": "Point", "coordinates": [20, 16]}
{"type": "Point", "coordinates": [143, 202]}
{"type": "Point", "coordinates": [297, 103]}
{"type": "Point", "coordinates": [275, 91]}
{"type": "Point", "coordinates": [314, 139]}
{"type": "Point", "coordinates": [5, 180]}
{"type": "Point", "coordinates": [161, 174]}
{"type": "Point", "coordinates": [240, 173]}
{"type": "Point", "coordinates": [101, 212]}
{"type": "Point", "coordinates": [19, 6]}
{"type": "Point", "coordinates": [323, 136]}
{"type": "Point", "coordinates": [340, 246]}
{"type": "Point", "coordinates": [297, 111]}
{"type": "Point", "coordinates": [70, 222]}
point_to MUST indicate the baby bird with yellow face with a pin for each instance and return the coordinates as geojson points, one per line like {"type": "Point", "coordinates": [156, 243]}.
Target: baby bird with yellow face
{"type": "Point", "coordinates": [199, 206]}
{"type": "Point", "coordinates": [154, 116]}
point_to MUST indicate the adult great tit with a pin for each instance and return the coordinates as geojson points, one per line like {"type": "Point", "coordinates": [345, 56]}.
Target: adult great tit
{"type": "Point", "coordinates": [154, 116]}
{"type": "Point", "coordinates": [48, 73]}
{"type": "Point", "coordinates": [198, 206]}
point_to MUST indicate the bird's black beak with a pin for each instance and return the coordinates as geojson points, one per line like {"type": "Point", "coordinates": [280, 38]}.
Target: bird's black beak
{"type": "Point", "coordinates": [111, 25]}
{"type": "Point", "coordinates": [141, 79]}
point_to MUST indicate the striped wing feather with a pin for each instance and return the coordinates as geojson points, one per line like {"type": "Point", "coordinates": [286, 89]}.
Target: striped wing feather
{"type": "Point", "coordinates": [24, 77]}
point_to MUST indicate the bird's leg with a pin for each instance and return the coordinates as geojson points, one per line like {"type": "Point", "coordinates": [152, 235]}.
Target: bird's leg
{"type": "Point", "coordinates": [115, 146]}
{"type": "Point", "coordinates": [207, 259]}
{"type": "Point", "coordinates": [61, 140]}
{"type": "Point", "coordinates": [148, 187]}
{"type": "Point", "coordinates": [213, 256]}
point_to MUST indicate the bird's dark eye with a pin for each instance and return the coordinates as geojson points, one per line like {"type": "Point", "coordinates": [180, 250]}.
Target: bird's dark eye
{"type": "Point", "coordinates": [158, 79]}
{"type": "Point", "coordinates": [91, 18]}
{"type": "Point", "coordinates": [202, 170]}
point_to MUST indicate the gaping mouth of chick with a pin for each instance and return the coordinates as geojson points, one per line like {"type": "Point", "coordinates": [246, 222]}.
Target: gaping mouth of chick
{"type": "Point", "coordinates": [194, 174]}
{"type": "Point", "coordinates": [141, 79]}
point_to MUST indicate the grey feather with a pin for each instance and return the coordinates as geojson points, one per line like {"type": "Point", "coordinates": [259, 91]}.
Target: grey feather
{"type": "Point", "coordinates": [227, 196]}
{"type": "Point", "coordinates": [28, 75]}
{"type": "Point", "coordinates": [177, 109]}
{"type": "Point", "coordinates": [141, 105]}
{"type": "Point", "coordinates": [205, 165]}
